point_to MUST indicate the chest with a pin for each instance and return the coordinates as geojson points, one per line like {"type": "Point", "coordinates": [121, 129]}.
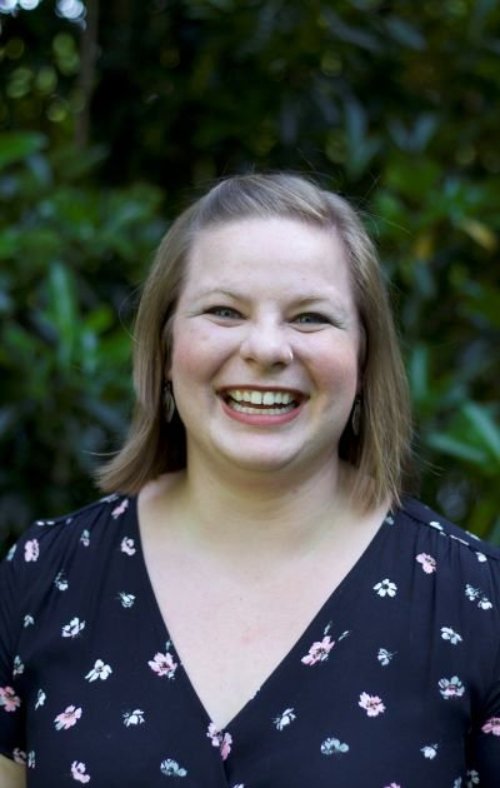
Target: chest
{"type": "Point", "coordinates": [231, 633]}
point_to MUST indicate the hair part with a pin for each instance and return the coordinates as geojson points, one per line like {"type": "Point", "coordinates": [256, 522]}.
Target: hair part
{"type": "Point", "coordinates": [381, 451]}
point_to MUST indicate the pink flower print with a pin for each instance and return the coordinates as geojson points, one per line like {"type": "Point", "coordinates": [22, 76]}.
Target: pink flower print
{"type": "Point", "coordinates": [428, 563]}
{"type": "Point", "coordinates": [9, 701]}
{"type": "Point", "coordinates": [67, 718]}
{"type": "Point", "coordinates": [451, 688]}
{"type": "Point", "coordinates": [31, 550]}
{"type": "Point", "coordinates": [372, 704]}
{"type": "Point", "coordinates": [163, 665]}
{"type": "Point", "coordinates": [221, 740]}
{"type": "Point", "coordinates": [319, 651]}
{"type": "Point", "coordinates": [79, 772]}
{"type": "Point", "coordinates": [492, 726]}
{"type": "Point", "coordinates": [120, 509]}
{"type": "Point", "coordinates": [127, 546]}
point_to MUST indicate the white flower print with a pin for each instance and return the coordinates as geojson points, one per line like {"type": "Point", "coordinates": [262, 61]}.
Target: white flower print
{"type": "Point", "coordinates": [19, 756]}
{"type": "Point", "coordinates": [171, 768]}
{"type": "Point", "coordinates": [28, 620]}
{"type": "Point", "coordinates": [31, 550]}
{"type": "Point", "coordinates": [9, 701]}
{"type": "Point", "coordinates": [393, 785]}
{"type": "Point", "coordinates": [61, 582]}
{"type": "Point", "coordinates": [18, 667]}
{"type": "Point", "coordinates": [285, 718]}
{"type": "Point", "coordinates": [476, 594]}
{"type": "Point", "coordinates": [135, 717]}
{"type": "Point", "coordinates": [220, 739]}
{"type": "Point", "coordinates": [481, 557]}
{"type": "Point", "coordinates": [41, 697]}
{"type": "Point", "coordinates": [386, 588]}
{"type": "Point", "coordinates": [319, 651]}
{"type": "Point", "coordinates": [12, 552]}
{"type": "Point", "coordinates": [429, 751]}
{"type": "Point", "coordinates": [163, 664]}
{"type": "Point", "coordinates": [73, 629]}
{"type": "Point", "coordinates": [127, 600]}
{"type": "Point", "coordinates": [389, 519]}
{"type": "Point", "coordinates": [472, 778]}
{"type": "Point", "coordinates": [427, 562]}
{"type": "Point", "coordinates": [343, 635]}
{"type": "Point", "coordinates": [384, 656]}
{"type": "Point", "coordinates": [451, 688]}
{"type": "Point", "coordinates": [333, 746]}
{"type": "Point", "coordinates": [31, 760]}
{"type": "Point", "coordinates": [127, 545]}
{"type": "Point", "coordinates": [79, 772]}
{"type": "Point", "coordinates": [120, 509]}
{"type": "Point", "coordinates": [67, 718]}
{"type": "Point", "coordinates": [99, 671]}
{"type": "Point", "coordinates": [372, 704]}
{"type": "Point", "coordinates": [458, 783]}
{"type": "Point", "coordinates": [447, 633]}
{"type": "Point", "coordinates": [492, 726]}
{"type": "Point", "coordinates": [85, 537]}
{"type": "Point", "coordinates": [458, 539]}
{"type": "Point", "coordinates": [436, 525]}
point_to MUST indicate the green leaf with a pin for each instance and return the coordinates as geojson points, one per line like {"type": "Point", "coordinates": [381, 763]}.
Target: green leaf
{"type": "Point", "coordinates": [16, 146]}
{"type": "Point", "coordinates": [484, 426]}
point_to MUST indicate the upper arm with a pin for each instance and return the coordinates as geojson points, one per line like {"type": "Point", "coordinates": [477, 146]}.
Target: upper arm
{"type": "Point", "coordinates": [12, 775]}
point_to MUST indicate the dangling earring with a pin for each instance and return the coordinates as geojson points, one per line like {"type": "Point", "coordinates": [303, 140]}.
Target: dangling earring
{"type": "Point", "coordinates": [168, 401]}
{"type": "Point", "coordinates": [356, 416]}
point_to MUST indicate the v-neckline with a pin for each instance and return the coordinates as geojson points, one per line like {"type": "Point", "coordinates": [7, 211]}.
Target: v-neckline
{"type": "Point", "coordinates": [310, 634]}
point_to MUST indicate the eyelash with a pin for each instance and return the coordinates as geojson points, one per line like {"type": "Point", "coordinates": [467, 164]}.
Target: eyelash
{"type": "Point", "coordinates": [317, 318]}
{"type": "Point", "coordinates": [217, 310]}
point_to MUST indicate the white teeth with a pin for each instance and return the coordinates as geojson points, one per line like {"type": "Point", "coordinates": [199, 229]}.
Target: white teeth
{"type": "Point", "coordinates": [267, 398]}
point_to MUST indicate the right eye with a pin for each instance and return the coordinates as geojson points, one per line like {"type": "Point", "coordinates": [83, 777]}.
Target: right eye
{"type": "Point", "coordinates": [225, 312]}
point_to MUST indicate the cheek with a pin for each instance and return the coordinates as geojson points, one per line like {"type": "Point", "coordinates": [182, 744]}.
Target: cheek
{"type": "Point", "coordinates": [194, 353]}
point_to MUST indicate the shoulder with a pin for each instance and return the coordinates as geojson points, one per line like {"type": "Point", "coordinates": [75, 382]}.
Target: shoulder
{"type": "Point", "coordinates": [434, 526]}
{"type": "Point", "coordinates": [463, 567]}
{"type": "Point", "coordinates": [45, 541]}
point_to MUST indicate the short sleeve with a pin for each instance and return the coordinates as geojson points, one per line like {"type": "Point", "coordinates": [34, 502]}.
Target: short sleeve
{"type": "Point", "coordinates": [486, 758]}
{"type": "Point", "coordinates": [12, 717]}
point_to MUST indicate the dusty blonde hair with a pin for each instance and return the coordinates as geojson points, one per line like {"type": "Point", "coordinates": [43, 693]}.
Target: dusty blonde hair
{"type": "Point", "coordinates": [381, 450]}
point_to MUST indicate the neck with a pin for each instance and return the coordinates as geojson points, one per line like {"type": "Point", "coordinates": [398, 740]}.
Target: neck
{"type": "Point", "coordinates": [264, 513]}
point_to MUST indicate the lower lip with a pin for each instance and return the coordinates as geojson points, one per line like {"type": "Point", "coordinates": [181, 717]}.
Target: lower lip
{"type": "Point", "coordinates": [258, 419]}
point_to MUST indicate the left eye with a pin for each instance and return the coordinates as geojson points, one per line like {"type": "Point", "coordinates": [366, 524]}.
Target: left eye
{"type": "Point", "coordinates": [310, 318]}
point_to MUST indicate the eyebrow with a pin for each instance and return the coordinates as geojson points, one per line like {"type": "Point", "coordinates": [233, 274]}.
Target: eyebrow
{"type": "Point", "coordinates": [315, 299]}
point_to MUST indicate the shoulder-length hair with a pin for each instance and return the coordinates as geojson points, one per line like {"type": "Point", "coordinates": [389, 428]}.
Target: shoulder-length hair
{"type": "Point", "coordinates": [381, 449]}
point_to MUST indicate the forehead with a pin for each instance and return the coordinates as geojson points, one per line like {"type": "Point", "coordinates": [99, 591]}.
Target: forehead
{"type": "Point", "coordinates": [275, 250]}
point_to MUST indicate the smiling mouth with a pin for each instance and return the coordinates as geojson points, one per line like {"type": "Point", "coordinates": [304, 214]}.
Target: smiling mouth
{"type": "Point", "coordinates": [255, 401]}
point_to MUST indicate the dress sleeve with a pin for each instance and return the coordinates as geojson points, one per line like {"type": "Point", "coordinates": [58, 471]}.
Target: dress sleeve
{"type": "Point", "coordinates": [486, 760]}
{"type": "Point", "coordinates": [12, 716]}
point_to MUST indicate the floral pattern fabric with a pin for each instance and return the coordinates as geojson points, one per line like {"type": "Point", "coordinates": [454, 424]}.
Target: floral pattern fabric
{"type": "Point", "coordinates": [395, 683]}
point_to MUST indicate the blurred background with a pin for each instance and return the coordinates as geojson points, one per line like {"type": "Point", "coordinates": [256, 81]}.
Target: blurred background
{"type": "Point", "coordinates": [114, 114]}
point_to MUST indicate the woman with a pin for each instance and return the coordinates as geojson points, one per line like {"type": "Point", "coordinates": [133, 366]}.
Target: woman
{"type": "Point", "coordinates": [255, 604]}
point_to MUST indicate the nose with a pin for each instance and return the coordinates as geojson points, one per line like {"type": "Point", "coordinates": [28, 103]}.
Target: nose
{"type": "Point", "coordinates": [266, 344]}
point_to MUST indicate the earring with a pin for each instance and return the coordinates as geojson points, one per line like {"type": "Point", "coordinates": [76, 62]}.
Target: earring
{"type": "Point", "coordinates": [356, 416]}
{"type": "Point", "coordinates": [168, 401]}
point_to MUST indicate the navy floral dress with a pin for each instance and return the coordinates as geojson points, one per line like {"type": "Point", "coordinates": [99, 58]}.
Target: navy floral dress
{"type": "Point", "coordinates": [395, 683]}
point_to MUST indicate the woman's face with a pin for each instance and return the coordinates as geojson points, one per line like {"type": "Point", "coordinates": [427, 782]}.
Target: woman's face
{"type": "Point", "coordinates": [266, 346]}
